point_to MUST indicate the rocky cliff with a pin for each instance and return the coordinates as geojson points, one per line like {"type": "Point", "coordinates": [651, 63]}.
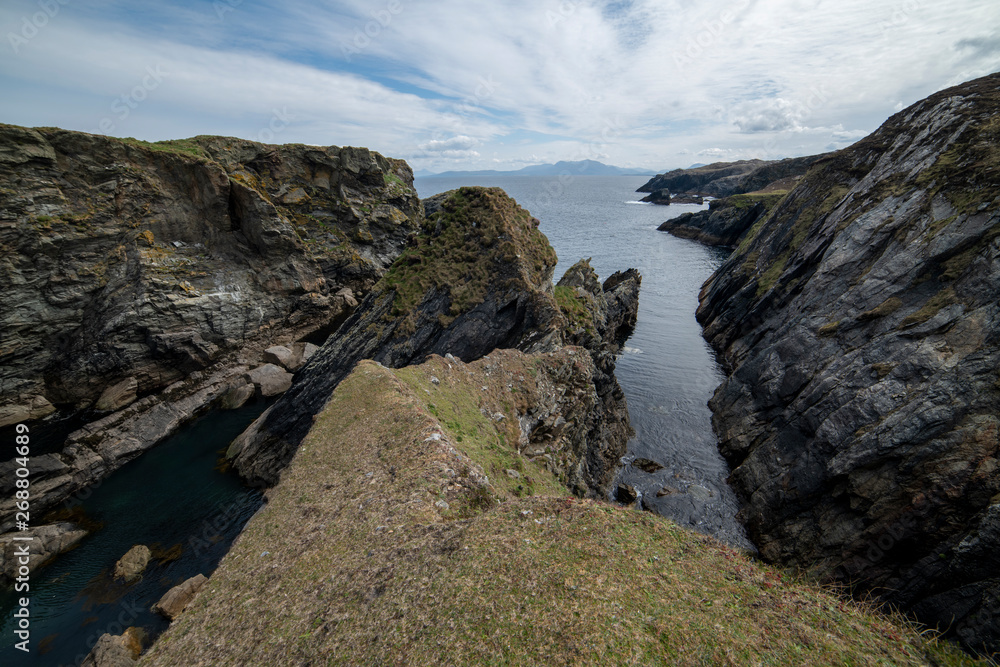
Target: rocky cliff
{"type": "Point", "coordinates": [140, 280]}
{"type": "Point", "coordinates": [722, 179]}
{"type": "Point", "coordinates": [477, 278]}
{"type": "Point", "coordinates": [860, 329]}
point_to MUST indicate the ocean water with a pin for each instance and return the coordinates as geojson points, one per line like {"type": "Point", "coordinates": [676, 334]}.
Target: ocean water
{"type": "Point", "coordinates": [174, 499]}
{"type": "Point", "coordinates": [668, 371]}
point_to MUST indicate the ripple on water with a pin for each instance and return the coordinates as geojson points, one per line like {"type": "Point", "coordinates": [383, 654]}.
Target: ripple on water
{"type": "Point", "coordinates": [669, 383]}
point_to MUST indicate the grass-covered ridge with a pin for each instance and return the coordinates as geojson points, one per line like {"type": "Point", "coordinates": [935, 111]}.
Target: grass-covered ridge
{"type": "Point", "coordinates": [398, 535]}
{"type": "Point", "coordinates": [480, 238]}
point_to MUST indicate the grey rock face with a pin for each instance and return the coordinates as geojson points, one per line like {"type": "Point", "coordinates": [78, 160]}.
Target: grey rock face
{"type": "Point", "coordinates": [141, 278]}
{"type": "Point", "coordinates": [861, 330]}
{"type": "Point", "coordinates": [484, 273]}
{"type": "Point", "coordinates": [152, 261]}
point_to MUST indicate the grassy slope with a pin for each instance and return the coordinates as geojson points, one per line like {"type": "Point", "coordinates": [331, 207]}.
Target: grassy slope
{"type": "Point", "coordinates": [385, 544]}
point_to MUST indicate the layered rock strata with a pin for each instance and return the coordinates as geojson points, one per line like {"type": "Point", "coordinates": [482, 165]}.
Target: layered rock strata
{"type": "Point", "coordinates": [860, 328]}
{"type": "Point", "coordinates": [142, 282]}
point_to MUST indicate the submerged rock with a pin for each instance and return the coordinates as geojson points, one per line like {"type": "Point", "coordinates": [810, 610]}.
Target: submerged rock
{"type": "Point", "coordinates": [270, 380]}
{"type": "Point", "coordinates": [131, 566]}
{"type": "Point", "coordinates": [860, 330]}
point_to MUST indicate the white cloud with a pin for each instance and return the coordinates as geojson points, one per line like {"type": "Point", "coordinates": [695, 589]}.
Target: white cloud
{"type": "Point", "coordinates": [650, 84]}
{"type": "Point", "coordinates": [458, 143]}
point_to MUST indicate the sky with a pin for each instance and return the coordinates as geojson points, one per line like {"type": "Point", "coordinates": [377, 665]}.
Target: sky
{"type": "Point", "coordinates": [454, 84]}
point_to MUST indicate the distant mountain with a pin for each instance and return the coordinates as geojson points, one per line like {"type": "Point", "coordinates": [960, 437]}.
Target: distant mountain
{"type": "Point", "coordinates": [573, 168]}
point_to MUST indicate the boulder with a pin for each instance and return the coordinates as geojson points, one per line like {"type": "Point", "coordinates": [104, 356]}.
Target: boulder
{"type": "Point", "coordinates": [131, 566]}
{"type": "Point", "coordinates": [347, 294]}
{"type": "Point", "coordinates": [270, 379]}
{"type": "Point", "coordinates": [118, 396]}
{"type": "Point", "coordinates": [237, 395]}
{"type": "Point", "coordinates": [25, 409]}
{"type": "Point", "coordinates": [646, 465]}
{"type": "Point", "coordinates": [48, 542]}
{"type": "Point", "coordinates": [177, 598]}
{"type": "Point", "coordinates": [280, 356]}
{"type": "Point", "coordinates": [116, 650]}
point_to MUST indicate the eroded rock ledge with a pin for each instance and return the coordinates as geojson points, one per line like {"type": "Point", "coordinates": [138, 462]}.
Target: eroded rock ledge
{"type": "Point", "coordinates": [860, 327]}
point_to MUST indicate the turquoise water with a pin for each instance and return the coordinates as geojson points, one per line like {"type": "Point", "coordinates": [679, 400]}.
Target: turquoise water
{"type": "Point", "coordinates": [175, 500]}
{"type": "Point", "coordinates": [668, 371]}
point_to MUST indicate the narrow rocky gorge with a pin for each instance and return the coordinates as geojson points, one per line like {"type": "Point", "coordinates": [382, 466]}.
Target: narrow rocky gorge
{"type": "Point", "coordinates": [144, 282]}
{"type": "Point", "coordinates": [859, 325]}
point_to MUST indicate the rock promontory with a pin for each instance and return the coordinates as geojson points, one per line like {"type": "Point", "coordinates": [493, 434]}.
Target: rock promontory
{"type": "Point", "coordinates": [721, 179]}
{"type": "Point", "coordinates": [859, 325]}
{"type": "Point", "coordinates": [478, 277]}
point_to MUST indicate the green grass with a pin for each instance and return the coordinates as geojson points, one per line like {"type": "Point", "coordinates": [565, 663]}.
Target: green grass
{"type": "Point", "coordinates": [575, 307]}
{"type": "Point", "coordinates": [942, 299]}
{"type": "Point", "coordinates": [480, 239]}
{"type": "Point", "coordinates": [177, 146]}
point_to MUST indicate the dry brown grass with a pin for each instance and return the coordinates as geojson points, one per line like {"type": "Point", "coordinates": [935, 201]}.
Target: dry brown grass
{"type": "Point", "coordinates": [385, 544]}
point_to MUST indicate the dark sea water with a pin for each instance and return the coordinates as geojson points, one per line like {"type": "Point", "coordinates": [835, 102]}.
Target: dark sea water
{"type": "Point", "coordinates": [668, 371]}
{"type": "Point", "coordinates": [173, 499]}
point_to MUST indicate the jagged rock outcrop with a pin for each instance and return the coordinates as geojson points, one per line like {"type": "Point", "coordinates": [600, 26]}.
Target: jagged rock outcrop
{"type": "Point", "coordinates": [123, 259]}
{"type": "Point", "coordinates": [661, 197]}
{"type": "Point", "coordinates": [725, 222]}
{"type": "Point", "coordinates": [146, 279]}
{"type": "Point", "coordinates": [476, 279]}
{"type": "Point", "coordinates": [722, 179]}
{"type": "Point", "coordinates": [860, 328]}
